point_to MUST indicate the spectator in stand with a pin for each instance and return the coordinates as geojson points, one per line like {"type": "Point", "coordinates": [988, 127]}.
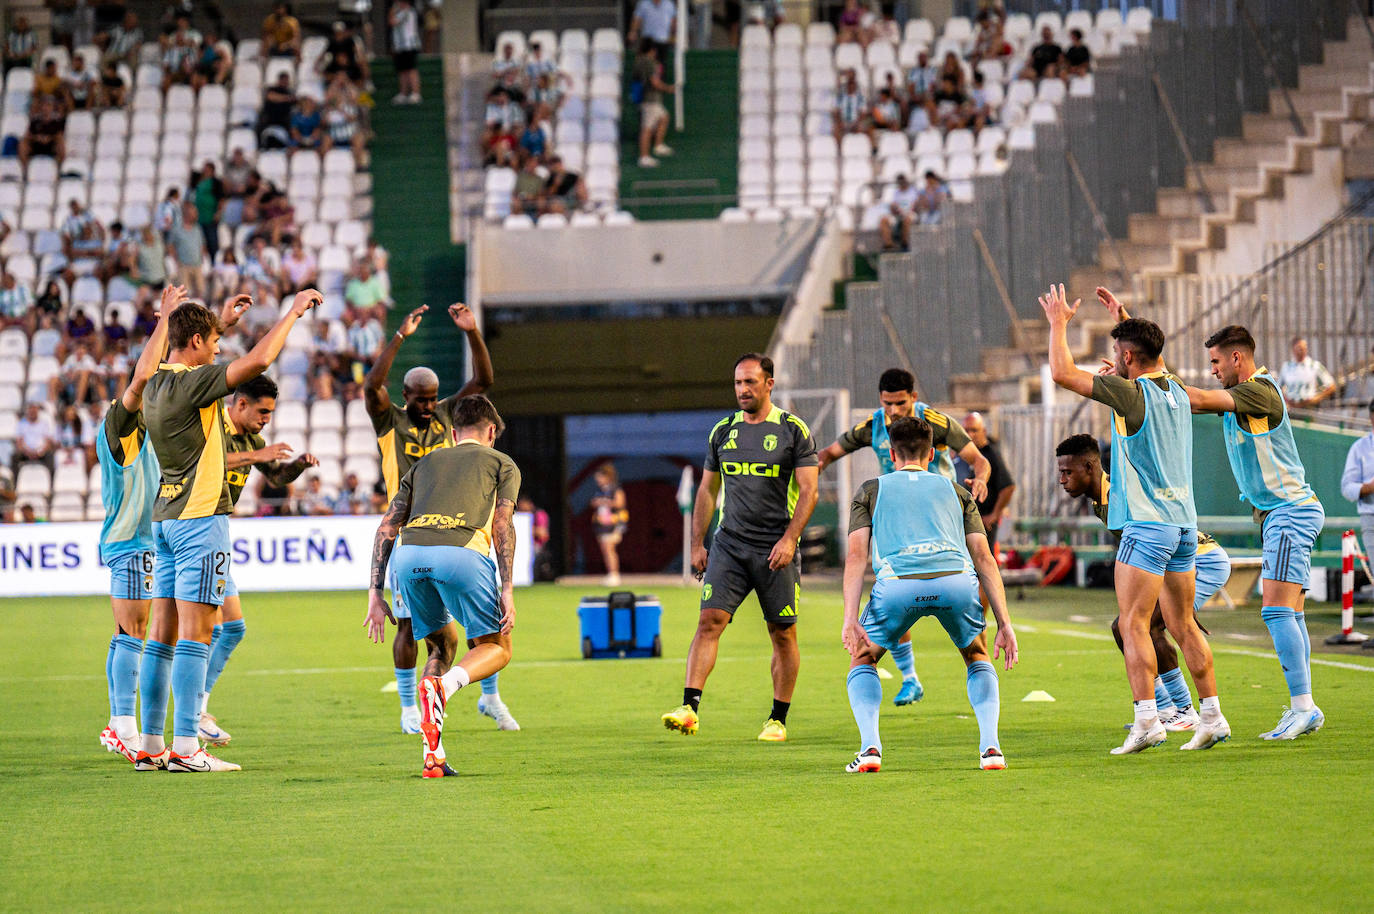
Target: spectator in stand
{"type": "Point", "coordinates": [922, 115]}
{"type": "Point", "coordinates": [20, 45]}
{"type": "Point", "coordinates": [186, 242]}
{"type": "Point", "coordinates": [16, 303]}
{"type": "Point", "coordinates": [545, 96]}
{"type": "Point", "coordinates": [405, 51]}
{"type": "Point", "coordinates": [226, 278]}
{"type": "Point", "coordinates": [1077, 57]}
{"type": "Point", "coordinates": [91, 422]}
{"type": "Point", "coordinates": [343, 122]}
{"type": "Point", "coordinates": [113, 333]}
{"type": "Point", "coordinates": [364, 290]}
{"type": "Point", "coordinates": [539, 537]}
{"type": "Point", "coordinates": [352, 499]}
{"type": "Point", "coordinates": [381, 263]}
{"type": "Point", "coordinates": [274, 118]}
{"type": "Point", "coordinates": [851, 109]}
{"type": "Point", "coordinates": [150, 261]}
{"type": "Point", "coordinates": [167, 216]}
{"type": "Point", "coordinates": [73, 384]}
{"type": "Point", "coordinates": [980, 110]}
{"type": "Point", "coordinates": [47, 82]}
{"type": "Point", "coordinates": [180, 53]}
{"type": "Point", "coordinates": [537, 65]}
{"type": "Point", "coordinates": [344, 54]}
{"type": "Point", "coordinates": [281, 33]}
{"type": "Point", "coordinates": [80, 85]}
{"type": "Point", "coordinates": [298, 267]}
{"type": "Point", "coordinates": [953, 69]}
{"type": "Point", "coordinates": [901, 210]}
{"type": "Point", "coordinates": [47, 132]}
{"type": "Point", "coordinates": [851, 27]}
{"type": "Point", "coordinates": [506, 69]}
{"type": "Point", "coordinates": [121, 43]}
{"type": "Point", "coordinates": [113, 91]}
{"type": "Point", "coordinates": [564, 191]}
{"type": "Point", "coordinates": [533, 141]}
{"type": "Point", "coordinates": [1303, 380]}
{"type": "Point", "coordinates": [119, 253]}
{"type": "Point", "coordinates": [365, 338]}
{"type": "Point", "coordinates": [145, 319]}
{"type": "Point", "coordinates": [989, 43]}
{"type": "Point", "coordinates": [7, 495]}
{"type": "Point", "coordinates": [35, 437]}
{"type": "Point", "coordinates": [887, 112]}
{"type": "Point", "coordinates": [654, 20]}
{"type": "Point", "coordinates": [1045, 57]}
{"type": "Point", "coordinates": [922, 78]}
{"type": "Point", "coordinates": [79, 327]}
{"type": "Point", "coordinates": [50, 303]}
{"type": "Point", "coordinates": [930, 202]}
{"type": "Point", "coordinates": [262, 268]}
{"type": "Point", "coordinates": [504, 119]}
{"type": "Point", "coordinates": [307, 125]}
{"type": "Point", "coordinates": [236, 173]}
{"type": "Point", "coordinates": [207, 192]}
{"type": "Point", "coordinates": [653, 116]}
{"type": "Point", "coordinates": [315, 501]}
{"type": "Point", "coordinates": [214, 64]}
{"type": "Point", "coordinates": [82, 236]}
{"type": "Point", "coordinates": [951, 105]}
{"type": "Point", "coordinates": [1357, 483]}
{"type": "Point", "coordinates": [529, 188]}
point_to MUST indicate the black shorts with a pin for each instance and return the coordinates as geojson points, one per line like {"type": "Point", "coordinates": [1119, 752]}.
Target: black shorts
{"type": "Point", "coordinates": [735, 568]}
{"type": "Point", "coordinates": [406, 60]}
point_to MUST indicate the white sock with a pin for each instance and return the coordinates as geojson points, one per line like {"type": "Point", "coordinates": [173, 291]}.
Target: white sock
{"type": "Point", "coordinates": [493, 699]}
{"type": "Point", "coordinates": [1302, 702]}
{"type": "Point", "coordinates": [1210, 706]}
{"type": "Point", "coordinates": [125, 728]}
{"type": "Point", "coordinates": [153, 745]}
{"type": "Point", "coordinates": [184, 746]}
{"type": "Point", "coordinates": [454, 680]}
{"type": "Point", "coordinates": [1145, 712]}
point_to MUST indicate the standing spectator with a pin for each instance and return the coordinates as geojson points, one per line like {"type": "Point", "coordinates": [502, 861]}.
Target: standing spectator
{"type": "Point", "coordinates": [539, 537]}
{"type": "Point", "coordinates": [1077, 57]}
{"type": "Point", "coordinates": [344, 54]}
{"type": "Point", "coordinates": [20, 44]}
{"type": "Point", "coordinates": [207, 192]}
{"type": "Point", "coordinates": [307, 130]}
{"type": "Point", "coordinates": [654, 19]}
{"type": "Point", "coordinates": [167, 216]}
{"type": "Point", "coordinates": [1001, 486]}
{"type": "Point", "coordinates": [281, 33]}
{"type": "Point", "coordinates": [537, 65]}
{"type": "Point", "coordinates": [47, 132]}
{"type": "Point", "coordinates": [187, 245]}
{"type": "Point", "coordinates": [609, 519]}
{"type": "Point", "coordinates": [405, 51]}
{"type": "Point", "coordinates": [1304, 381]}
{"type": "Point", "coordinates": [16, 301]}
{"type": "Point", "coordinates": [80, 84]}
{"type": "Point", "coordinates": [1045, 57]}
{"type": "Point", "coordinates": [1357, 483]}
{"type": "Point", "coordinates": [150, 261]}
{"type": "Point", "coordinates": [227, 277]}
{"type": "Point", "coordinates": [35, 437]}
{"type": "Point", "coordinates": [653, 116]}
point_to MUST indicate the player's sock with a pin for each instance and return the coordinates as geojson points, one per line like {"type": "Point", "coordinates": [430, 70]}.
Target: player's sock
{"type": "Point", "coordinates": [905, 660]}
{"type": "Point", "coordinates": [489, 685]}
{"type": "Point", "coordinates": [454, 680]}
{"type": "Point", "coordinates": [109, 675]}
{"type": "Point", "coordinates": [223, 645]}
{"type": "Point", "coordinates": [1176, 688]}
{"type": "Point", "coordinates": [1288, 644]}
{"type": "Point", "coordinates": [779, 712]}
{"type": "Point", "coordinates": [1145, 711]}
{"type": "Point", "coordinates": [188, 675]}
{"type": "Point", "coordinates": [865, 697]}
{"type": "Point", "coordinates": [1301, 618]}
{"type": "Point", "coordinates": [154, 678]}
{"type": "Point", "coordinates": [124, 668]}
{"type": "Point", "coordinates": [986, 699]}
{"type": "Point", "coordinates": [1162, 697]}
{"type": "Point", "coordinates": [692, 697]}
{"type": "Point", "coordinates": [405, 687]}
{"type": "Point", "coordinates": [1210, 708]}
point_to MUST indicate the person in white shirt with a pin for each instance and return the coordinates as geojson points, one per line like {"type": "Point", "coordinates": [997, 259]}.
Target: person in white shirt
{"type": "Point", "coordinates": [405, 51]}
{"type": "Point", "coordinates": [1305, 382]}
{"type": "Point", "coordinates": [1357, 483]}
{"type": "Point", "coordinates": [35, 437]}
{"type": "Point", "coordinates": [654, 19]}
{"type": "Point", "coordinates": [901, 210]}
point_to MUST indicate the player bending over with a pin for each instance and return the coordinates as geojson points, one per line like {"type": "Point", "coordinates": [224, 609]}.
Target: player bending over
{"type": "Point", "coordinates": [930, 553]}
{"type": "Point", "coordinates": [450, 510]}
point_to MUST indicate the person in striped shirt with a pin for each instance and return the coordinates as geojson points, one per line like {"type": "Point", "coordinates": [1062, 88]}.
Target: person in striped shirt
{"type": "Point", "coordinates": [405, 51]}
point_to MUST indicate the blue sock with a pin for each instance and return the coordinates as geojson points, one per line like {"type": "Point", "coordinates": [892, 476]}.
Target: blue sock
{"type": "Point", "coordinates": [489, 685]}
{"type": "Point", "coordinates": [214, 635]}
{"type": "Point", "coordinates": [154, 679]}
{"type": "Point", "coordinates": [1162, 697]}
{"type": "Point", "coordinates": [865, 697]}
{"type": "Point", "coordinates": [128, 656]}
{"type": "Point", "coordinates": [905, 660]}
{"type": "Point", "coordinates": [1291, 647]}
{"type": "Point", "coordinates": [1177, 687]}
{"type": "Point", "coordinates": [987, 702]}
{"type": "Point", "coordinates": [227, 637]}
{"type": "Point", "coordinates": [405, 687]}
{"type": "Point", "coordinates": [188, 677]}
{"type": "Point", "coordinates": [1301, 618]}
{"type": "Point", "coordinates": [109, 674]}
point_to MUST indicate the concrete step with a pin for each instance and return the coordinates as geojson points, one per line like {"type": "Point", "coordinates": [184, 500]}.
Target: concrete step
{"type": "Point", "coordinates": [1179, 201]}
{"type": "Point", "coordinates": [1329, 78]}
{"type": "Point", "coordinates": [1220, 177]}
{"type": "Point", "coordinates": [1008, 362]}
{"type": "Point", "coordinates": [1305, 101]}
{"type": "Point", "coordinates": [1237, 151]}
{"type": "Point", "coordinates": [1084, 280]}
{"type": "Point", "coordinates": [983, 392]}
{"type": "Point", "coordinates": [1349, 53]}
{"type": "Point", "coordinates": [1273, 128]}
{"type": "Point", "coordinates": [1152, 228]}
{"type": "Point", "coordinates": [1137, 256]}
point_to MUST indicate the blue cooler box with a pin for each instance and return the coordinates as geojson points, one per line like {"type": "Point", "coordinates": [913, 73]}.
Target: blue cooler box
{"type": "Point", "coordinates": [620, 624]}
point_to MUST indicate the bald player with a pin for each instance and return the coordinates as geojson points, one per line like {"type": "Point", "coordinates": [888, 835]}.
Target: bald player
{"type": "Point", "coordinates": [404, 435]}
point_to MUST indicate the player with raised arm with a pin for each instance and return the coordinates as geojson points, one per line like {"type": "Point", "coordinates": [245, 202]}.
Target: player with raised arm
{"type": "Point", "coordinates": [128, 486]}
{"type": "Point", "coordinates": [1151, 503]}
{"type": "Point", "coordinates": [765, 459]}
{"type": "Point", "coordinates": [897, 396]}
{"type": "Point", "coordinates": [1081, 476]}
{"type": "Point", "coordinates": [930, 554]}
{"type": "Point", "coordinates": [1273, 481]}
{"type": "Point", "coordinates": [250, 409]}
{"type": "Point", "coordinates": [182, 409]}
{"type": "Point", "coordinates": [450, 510]}
{"type": "Point", "coordinates": [405, 434]}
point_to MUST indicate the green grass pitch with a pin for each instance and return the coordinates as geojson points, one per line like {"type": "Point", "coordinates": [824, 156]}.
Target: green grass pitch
{"type": "Point", "coordinates": [594, 806]}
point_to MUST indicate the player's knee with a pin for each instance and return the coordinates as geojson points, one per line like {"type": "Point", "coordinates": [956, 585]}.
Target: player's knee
{"type": "Point", "coordinates": [712, 622]}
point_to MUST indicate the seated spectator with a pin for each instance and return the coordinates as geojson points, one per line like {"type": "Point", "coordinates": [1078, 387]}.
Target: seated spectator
{"type": "Point", "coordinates": [47, 339]}
{"type": "Point", "coordinates": [1045, 57]}
{"type": "Point", "coordinates": [344, 54]}
{"type": "Point", "coordinates": [227, 277]}
{"type": "Point", "coordinates": [35, 437]}
{"type": "Point", "coordinates": [28, 514]}
{"type": "Point", "coordinates": [364, 291]}
{"type": "Point", "coordinates": [299, 267]}
{"type": "Point", "coordinates": [545, 95]}
{"type": "Point", "coordinates": [275, 214]}
{"type": "Point", "coordinates": [365, 337]}
{"type": "Point", "coordinates": [186, 242]}
{"type": "Point", "coordinates": [922, 116]}
{"type": "Point", "coordinates": [180, 53]}
{"type": "Point", "coordinates": [307, 125]}
{"type": "Point", "coordinates": [236, 173]}
{"type": "Point", "coordinates": [950, 105]}
{"type": "Point", "coordinates": [352, 498]}
{"type": "Point", "coordinates": [47, 82]}
{"type": "Point", "coordinates": [930, 202]}
{"type": "Point", "coordinates": [50, 303]}
{"type": "Point", "coordinates": [167, 216]}
{"type": "Point", "coordinates": [1077, 58]}
{"type": "Point", "coordinates": [533, 141]}
{"type": "Point", "coordinates": [7, 495]}
{"type": "Point", "coordinates": [564, 191]}
{"type": "Point", "coordinates": [80, 85]}
{"type": "Point", "coordinates": [504, 119]}
{"type": "Point", "coordinates": [537, 65]}
{"type": "Point", "coordinates": [16, 303]}
{"type": "Point", "coordinates": [506, 68]}
{"type": "Point", "coordinates": [887, 113]}
{"type": "Point", "coordinates": [21, 44]}
{"type": "Point", "coordinates": [900, 211]}
{"type": "Point", "coordinates": [113, 92]}
{"type": "Point", "coordinates": [121, 43]}
{"type": "Point", "coordinates": [150, 261]}
{"type": "Point", "coordinates": [343, 122]}
{"type": "Point", "coordinates": [46, 135]}
{"type": "Point", "coordinates": [214, 63]}
{"type": "Point", "coordinates": [120, 247]}
{"type": "Point", "coordinates": [952, 68]}
{"type": "Point", "coordinates": [73, 385]}
{"type": "Point", "coordinates": [980, 108]}
{"type": "Point", "coordinates": [281, 33]}
{"type": "Point", "coordinates": [274, 118]}
{"type": "Point", "coordinates": [380, 259]}
{"type": "Point", "coordinates": [79, 327]}
{"type": "Point", "coordinates": [990, 43]}
{"type": "Point", "coordinates": [70, 430]}
{"type": "Point", "coordinates": [145, 319]}
{"type": "Point", "coordinates": [851, 25]}
{"type": "Point", "coordinates": [262, 268]}
{"type": "Point", "coordinates": [95, 414]}
{"type": "Point", "coordinates": [851, 109]}
{"type": "Point", "coordinates": [529, 188]}
{"type": "Point", "coordinates": [922, 78]}
{"type": "Point", "coordinates": [113, 333]}
{"type": "Point", "coordinates": [315, 501]}
{"type": "Point", "coordinates": [82, 236]}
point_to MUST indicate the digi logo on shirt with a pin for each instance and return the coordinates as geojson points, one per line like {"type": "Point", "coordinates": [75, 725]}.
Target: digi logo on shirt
{"type": "Point", "coordinates": [737, 468]}
{"type": "Point", "coordinates": [414, 450]}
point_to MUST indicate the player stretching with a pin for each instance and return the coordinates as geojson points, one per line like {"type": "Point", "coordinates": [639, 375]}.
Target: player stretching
{"type": "Point", "coordinates": [897, 394]}
{"type": "Point", "coordinates": [1151, 503]}
{"type": "Point", "coordinates": [191, 517]}
{"type": "Point", "coordinates": [1271, 477]}
{"type": "Point", "coordinates": [766, 459]}
{"type": "Point", "coordinates": [1081, 474]}
{"type": "Point", "coordinates": [128, 486]}
{"type": "Point", "coordinates": [930, 554]}
{"type": "Point", "coordinates": [250, 409]}
{"type": "Point", "coordinates": [450, 510]}
{"type": "Point", "coordinates": [404, 435]}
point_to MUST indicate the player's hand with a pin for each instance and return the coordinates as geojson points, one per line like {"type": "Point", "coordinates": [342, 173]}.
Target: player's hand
{"type": "Point", "coordinates": [1108, 368]}
{"type": "Point", "coordinates": [977, 488]}
{"type": "Point", "coordinates": [378, 614]}
{"type": "Point", "coordinates": [1056, 305]}
{"type": "Point", "coordinates": [1004, 645]}
{"type": "Point", "coordinates": [412, 321]}
{"type": "Point", "coordinates": [463, 318]}
{"type": "Point", "coordinates": [307, 460]}
{"type": "Point", "coordinates": [279, 451]}
{"type": "Point", "coordinates": [855, 639]}
{"type": "Point", "coordinates": [507, 609]}
{"type": "Point", "coordinates": [233, 309]}
{"type": "Point", "coordinates": [1112, 304]}
{"type": "Point", "coordinates": [172, 298]}
{"type": "Point", "coordinates": [782, 554]}
{"type": "Point", "coordinates": [305, 300]}
{"type": "Point", "coordinates": [699, 557]}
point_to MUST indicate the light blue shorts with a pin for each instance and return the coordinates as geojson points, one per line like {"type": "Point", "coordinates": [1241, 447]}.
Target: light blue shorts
{"type": "Point", "coordinates": [398, 606]}
{"type": "Point", "coordinates": [1157, 548]}
{"type": "Point", "coordinates": [443, 584]}
{"type": "Point", "coordinates": [1213, 570]}
{"type": "Point", "coordinates": [1289, 533]}
{"type": "Point", "coordinates": [131, 576]}
{"type": "Point", "coordinates": [896, 603]}
{"type": "Point", "coordinates": [192, 560]}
